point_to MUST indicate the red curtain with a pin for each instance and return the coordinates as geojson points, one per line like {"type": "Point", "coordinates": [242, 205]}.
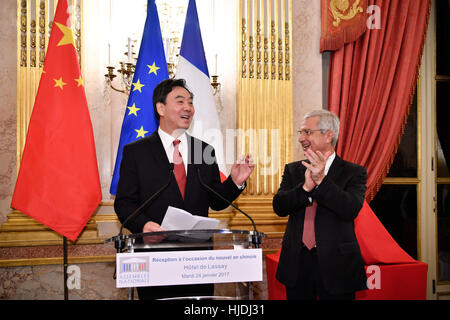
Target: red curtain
{"type": "Point", "coordinates": [341, 23]}
{"type": "Point", "coordinates": [372, 83]}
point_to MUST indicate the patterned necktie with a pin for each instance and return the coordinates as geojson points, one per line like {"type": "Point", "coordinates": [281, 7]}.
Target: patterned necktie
{"type": "Point", "coordinates": [309, 235]}
{"type": "Point", "coordinates": [178, 168]}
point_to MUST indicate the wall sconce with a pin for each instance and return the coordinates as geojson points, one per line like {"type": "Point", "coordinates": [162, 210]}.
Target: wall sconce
{"type": "Point", "coordinates": [171, 14]}
{"type": "Point", "coordinates": [126, 70]}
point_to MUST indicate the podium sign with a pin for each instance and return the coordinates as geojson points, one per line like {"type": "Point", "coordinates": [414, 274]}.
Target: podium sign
{"type": "Point", "coordinates": [142, 269]}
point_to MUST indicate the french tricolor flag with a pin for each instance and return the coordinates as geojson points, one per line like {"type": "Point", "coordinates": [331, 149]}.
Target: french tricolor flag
{"type": "Point", "coordinates": [193, 68]}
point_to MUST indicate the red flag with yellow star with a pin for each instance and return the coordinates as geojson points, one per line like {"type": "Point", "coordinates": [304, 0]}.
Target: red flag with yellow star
{"type": "Point", "coordinates": [58, 183]}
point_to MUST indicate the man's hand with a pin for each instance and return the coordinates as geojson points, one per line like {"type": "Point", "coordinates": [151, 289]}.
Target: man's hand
{"type": "Point", "coordinates": [153, 227]}
{"type": "Point", "coordinates": [242, 169]}
{"type": "Point", "coordinates": [309, 184]}
{"type": "Point", "coordinates": [317, 164]}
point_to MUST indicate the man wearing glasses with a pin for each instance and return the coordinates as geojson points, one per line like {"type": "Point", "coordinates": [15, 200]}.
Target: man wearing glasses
{"type": "Point", "coordinates": [320, 256]}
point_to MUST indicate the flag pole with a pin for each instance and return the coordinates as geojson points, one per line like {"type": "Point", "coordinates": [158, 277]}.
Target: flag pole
{"type": "Point", "coordinates": [66, 291]}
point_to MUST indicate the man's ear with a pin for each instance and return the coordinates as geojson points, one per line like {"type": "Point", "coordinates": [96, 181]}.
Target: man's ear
{"type": "Point", "coordinates": [330, 135]}
{"type": "Point", "coordinates": [161, 108]}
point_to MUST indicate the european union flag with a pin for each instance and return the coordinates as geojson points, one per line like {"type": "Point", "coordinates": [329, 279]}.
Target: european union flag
{"type": "Point", "coordinates": [151, 68]}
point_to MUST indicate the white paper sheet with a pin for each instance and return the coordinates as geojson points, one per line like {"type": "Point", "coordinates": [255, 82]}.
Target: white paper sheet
{"type": "Point", "coordinates": [179, 219]}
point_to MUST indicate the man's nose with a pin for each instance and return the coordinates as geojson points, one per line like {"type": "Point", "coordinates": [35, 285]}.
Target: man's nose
{"type": "Point", "coordinates": [301, 138]}
{"type": "Point", "coordinates": [188, 107]}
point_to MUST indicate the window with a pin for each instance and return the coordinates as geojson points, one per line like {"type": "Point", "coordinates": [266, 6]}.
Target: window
{"type": "Point", "coordinates": [443, 138]}
{"type": "Point", "coordinates": [396, 203]}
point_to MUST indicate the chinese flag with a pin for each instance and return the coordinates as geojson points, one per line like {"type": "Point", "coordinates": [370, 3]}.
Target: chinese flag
{"type": "Point", "coordinates": [58, 183]}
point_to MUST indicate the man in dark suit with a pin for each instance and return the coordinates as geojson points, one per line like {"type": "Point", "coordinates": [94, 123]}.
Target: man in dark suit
{"type": "Point", "coordinates": [145, 168]}
{"type": "Point", "coordinates": [320, 256]}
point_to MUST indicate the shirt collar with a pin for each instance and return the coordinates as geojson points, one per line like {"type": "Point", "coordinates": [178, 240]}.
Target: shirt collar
{"type": "Point", "coordinates": [167, 140]}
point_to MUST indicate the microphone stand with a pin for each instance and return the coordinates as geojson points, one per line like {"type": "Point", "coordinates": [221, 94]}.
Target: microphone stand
{"type": "Point", "coordinates": [256, 236]}
{"type": "Point", "coordinates": [118, 243]}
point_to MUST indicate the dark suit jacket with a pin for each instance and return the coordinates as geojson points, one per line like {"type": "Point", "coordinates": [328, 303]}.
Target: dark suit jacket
{"type": "Point", "coordinates": [145, 169]}
{"type": "Point", "coordinates": [339, 197]}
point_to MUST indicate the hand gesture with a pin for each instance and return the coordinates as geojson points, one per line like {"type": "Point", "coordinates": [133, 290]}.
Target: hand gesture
{"type": "Point", "coordinates": [241, 170]}
{"type": "Point", "coordinates": [316, 165]}
{"type": "Point", "coordinates": [309, 182]}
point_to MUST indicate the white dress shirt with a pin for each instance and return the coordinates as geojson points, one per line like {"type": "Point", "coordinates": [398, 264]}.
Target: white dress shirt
{"type": "Point", "coordinates": [167, 141]}
{"type": "Point", "coordinates": [329, 162]}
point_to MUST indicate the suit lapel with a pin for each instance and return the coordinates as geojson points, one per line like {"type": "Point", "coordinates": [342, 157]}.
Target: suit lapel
{"type": "Point", "coordinates": [191, 165]}
{"type": "Point", "coordinates": [300, 173]}
{"type": "Point", "coordinates": [335, 171]}
{"type": "Point", "coordinates": [162, 163]}
{"type": "Point", "coordinates": [157, 151]}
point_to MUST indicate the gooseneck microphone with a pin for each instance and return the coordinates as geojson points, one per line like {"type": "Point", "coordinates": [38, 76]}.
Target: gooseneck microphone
{"type": "Point", "coordinates": [138, 210]}
{"type": "Point", "coordinates": [256, 237]}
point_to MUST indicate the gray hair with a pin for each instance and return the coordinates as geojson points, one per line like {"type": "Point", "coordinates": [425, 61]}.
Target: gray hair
{"type": "Point", "coordinates": [327, 121]}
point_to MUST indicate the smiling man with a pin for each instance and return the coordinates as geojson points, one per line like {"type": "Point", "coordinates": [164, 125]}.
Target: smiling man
{"type": "Point", "coordinates": [322, 195]}
{"type": "Point", "coordinates": [145, 168]}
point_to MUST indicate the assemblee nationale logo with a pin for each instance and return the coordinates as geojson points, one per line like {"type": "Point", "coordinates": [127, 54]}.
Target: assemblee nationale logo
{"type": "Point", "coordinates": [133, 271]}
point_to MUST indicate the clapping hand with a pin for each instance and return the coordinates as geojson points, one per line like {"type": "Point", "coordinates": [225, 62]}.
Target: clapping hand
{"type": "Point", "coordinates": [315, 169]}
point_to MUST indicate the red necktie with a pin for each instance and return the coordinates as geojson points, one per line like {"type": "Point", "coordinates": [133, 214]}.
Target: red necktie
{"type": "Point", "coordinates": [309, 235]}
{"type": "Point", "coordinates": [178, 168]}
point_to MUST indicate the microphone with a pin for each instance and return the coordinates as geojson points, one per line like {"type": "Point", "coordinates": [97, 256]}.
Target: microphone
{"type": "Point", "coordinates": [149, 200]}
{"type": "Point", "coordinates": [256, 238]}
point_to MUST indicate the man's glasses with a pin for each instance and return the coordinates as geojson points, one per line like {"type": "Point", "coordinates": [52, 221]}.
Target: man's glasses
{"type": "Point", "coordinates": [308, 132]}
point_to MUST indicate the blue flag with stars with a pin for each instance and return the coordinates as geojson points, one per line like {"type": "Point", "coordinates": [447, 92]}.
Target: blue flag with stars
{"type": "Point", "coordinates": [151, 68]}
